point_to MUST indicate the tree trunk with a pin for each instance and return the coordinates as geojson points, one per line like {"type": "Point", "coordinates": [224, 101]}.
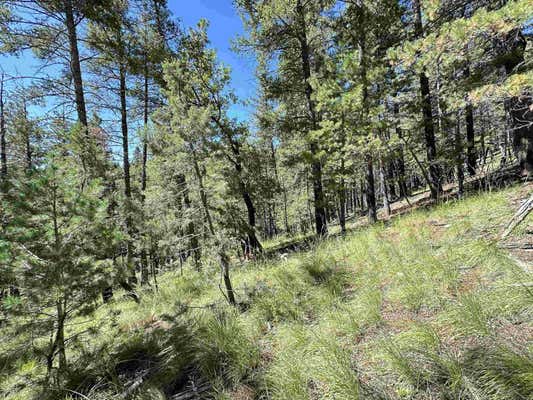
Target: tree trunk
{"type": "Point", "coordinates": [520, 108]}
{"type": "Point", "coordinates": [145, 139]}
{"type": "Point", "coordinates": [390, 181]}
{"type": "Point", "coordinates": [252, 243]}
{"type": "Point", "coordinates": [384, 189]}
{"type": "Point", "coordinates": [400, 162]}
{"type": "Point", "coordinates": [194, 245]}
{"type": "Point", "coordinates": [370, 191]}
{"type": "Point", "coordinates": [342, 205]}
{"type": "Point", "coordinates": [75, 66]}
{"type": "Point", "coordinates": [203, 194]}
{"type": "Point", "coordinates": [471, 156]}
{"type": "Point", "coordinates": [459, 162]}
{"type": "Point", "coordinates": [223, 258]}
{"type": "Point", "coordinates": [3, 146]}
{"type": "Point", "coordinates": [224, 261]}
{"type": "Point", "coordinates": [60, 337]}
{"type": "Point", "coordinates": [316, 166]}
{"type": "Point", "coordinates": [27, 141]}
{"type": "Point", "coordinates": [145, 273]}
{"type": "Point", "coordinates": [429, 129]}
{"type": "Point", "coordinates": [521, 115]}
{"type": "Point", "coordinates": [127, 183]}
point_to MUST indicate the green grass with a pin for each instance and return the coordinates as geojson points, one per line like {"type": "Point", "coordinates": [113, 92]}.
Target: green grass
{"type": "Point", "coordinates": [424, 307]}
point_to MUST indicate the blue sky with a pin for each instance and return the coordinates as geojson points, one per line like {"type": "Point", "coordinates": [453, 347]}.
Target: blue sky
{"type": "Point", "coordinates": [225, 25]}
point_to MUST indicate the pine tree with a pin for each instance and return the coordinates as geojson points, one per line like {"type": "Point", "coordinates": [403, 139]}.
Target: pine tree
{"type": "Point", "coordinates": [59, 238]}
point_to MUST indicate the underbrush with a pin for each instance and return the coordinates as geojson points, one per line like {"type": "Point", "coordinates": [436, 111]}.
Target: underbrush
{"type": "Point", "coordinates": [424, 307]}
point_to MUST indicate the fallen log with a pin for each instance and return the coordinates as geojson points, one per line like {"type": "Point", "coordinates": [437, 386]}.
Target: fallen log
{"type": "Point", "coordinates": [520, 215]}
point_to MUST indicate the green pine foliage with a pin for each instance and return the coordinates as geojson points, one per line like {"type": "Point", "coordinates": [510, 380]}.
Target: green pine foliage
{"type": "Point", "coordinates": [341, 238]}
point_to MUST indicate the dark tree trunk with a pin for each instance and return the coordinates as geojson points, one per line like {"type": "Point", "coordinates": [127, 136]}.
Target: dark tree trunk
{"type": "Point", "coordinates": [429, 129]}
{"type": "Point", "coordinates": [194, 245]}
{"type": "Point", "coordinates": [400, 161]}
{"type": "Point", "coordinates": [370, 191]}
{"type": "Point", "coordinates": [342, 206]}
{"type": "Point", "coordinates": [145, 139]}
{"type": "Point", "coordinates": [124, 130]}
{"type": "Point", "coordinates": [127, 183]}
{"type": "Point", "coordinates": [521, 114]}
{"type": "Point", "coordinates": [471, 156]}
{"type": "Point", "coordinates": [145, 273]}
{"type": "Point", "coordinates": [470, 139]}
{"type": "Point", "coordinates": [459, 161]}
{"type": "Point", "coordinates": [316, 166]}
{"type": "Point", "coordinates": [519, 107]}
{"type": "Point", "coordinates": [384, 190]}
{"type": "Point", "coordinates": [227, 281]}
{"type": "Point", "coordinates": [60, 337]}
{"type": "Point", "coordinates": [3, 146]}
{"type": "Point", "coordinates": [252, 243]}
{"type": "Point", "coordinates": [282, 185]}
{"type": "Point", "coordinates": [223, 258]}
{"type": "Point", "coordinates": [75, 66]}
{"type": "Point", "coordinates": [27, 142]}
{"type": "Point", "coordinates": [390, 181]}
{"type": "Point", "coordinates": [362, 192]}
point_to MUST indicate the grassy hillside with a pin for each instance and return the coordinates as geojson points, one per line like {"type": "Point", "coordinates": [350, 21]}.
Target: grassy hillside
{"type": "Point", "coordinates": [427, 306]}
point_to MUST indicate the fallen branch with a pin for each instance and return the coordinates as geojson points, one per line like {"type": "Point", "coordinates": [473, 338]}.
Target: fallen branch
{"type": "Point", "coordinates": [520, 215]}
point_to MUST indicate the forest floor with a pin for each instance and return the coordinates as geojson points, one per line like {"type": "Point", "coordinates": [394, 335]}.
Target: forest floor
{"type": "Point", "coordinates": [485, 180]}
{"type": "Point", "coordinates": [430, 304]}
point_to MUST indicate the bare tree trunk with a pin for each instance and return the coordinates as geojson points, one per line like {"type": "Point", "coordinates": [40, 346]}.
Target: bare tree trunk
{"type": "Point", "coordinates": [370, 191]}
{"type": "Point", "coordinates": [384, 189]}
{"type": "Point", "coordinates": [60, 336]}
{"type": "Point", "coordinates": [194, 245]}
{"type": "Point", "coordinates": [3, 145]}
{"type": "Point", "coordinates": [27, 140]}
{"type": "Point", "coordinates": [400, 162]}
{"type": "Point", "coordinates": [459, 161]}
{"type": "Point", "coordinates": [316, 166]}
{"type": "Point", "coordinates": [223, 258]}
{"type": "Point", "coordinates": [252, 242]}
{"type": "Point", "coordinates": [429, 129]}
{"type": "Point", "coordinates": [342, 205]}
{"type": "Point", "coordinates": [132, 280]}
{"type": "Point", "coordinates": [282, 185]}
{"type": "Point", "coordinates": [471, 156]}
{"type": "Point", "coordinates": [145, 273]}
{"type": "Point", "coordinates": [75, 66]}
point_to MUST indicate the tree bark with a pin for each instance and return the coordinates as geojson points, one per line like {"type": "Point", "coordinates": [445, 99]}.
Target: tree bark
{"type": "Point", "coordinates": [316, 166]}
{"type": "Point", "coordinates": [75, 66]}
{"type": "Point", "coordinates": [252, 243]}
{"type": "Point", "coordinates": [400, 162]}
{"type": "Point", "coordinates": [223, 258]}
{"type": "Point", "coordinates": [521, 112]}
{"type": "Point", "coordinates": [370, 190]}
{"type": "Point", "coordinates": [145, 273]}
{"type": "Point", "coordinates": [60, 337]}
{"type": "Point", "coordinates": [132, 280]}
{"type": "Point", "coordinates": [384, 189]}
{"type": "Point", "coordinates": [282, 185]}
{"type": "Point", "coordinates": [3, 145]}
{"type": "Point", "coordinates": [429, 129]}
{"type": "Point", "coordinates": [194, 246]}
{"type": "Point", "coordinates": [471, 155]}
{"type": "Point", "coordinates": [145, 139]}
{"type": "Point", "coordinates": [459, 162]}
{"type": "Point", "coordinates": [342, 205]}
